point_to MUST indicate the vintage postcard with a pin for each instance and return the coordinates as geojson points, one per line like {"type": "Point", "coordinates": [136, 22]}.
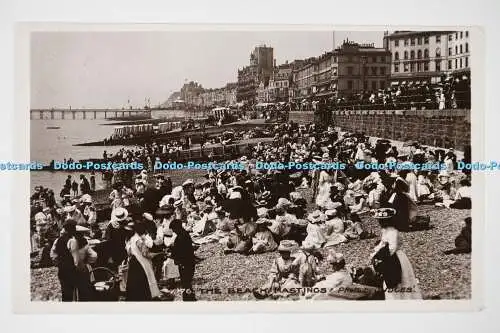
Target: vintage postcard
{"type": "Point", "coordinates": [248, 168]}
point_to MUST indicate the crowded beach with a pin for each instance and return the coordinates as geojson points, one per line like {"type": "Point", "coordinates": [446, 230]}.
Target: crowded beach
{"type": "Point", "coordinates": [270, 234]}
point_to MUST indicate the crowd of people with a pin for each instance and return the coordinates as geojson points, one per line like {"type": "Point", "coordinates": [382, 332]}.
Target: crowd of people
{"type": "Point", "coordinates": [153, 231]}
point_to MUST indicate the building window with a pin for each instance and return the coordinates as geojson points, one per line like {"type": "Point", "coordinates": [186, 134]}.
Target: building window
{"type": "Point", "coordinates": [382, 70]}
{"type": "Point", "coordinates": [466, 34]}
{"type": "Point", "coordinates": [396, 56]}
{"type": "Point", "coordinates": [412, 67]}
{"type": "Point", "coordinates": [349, 84]}
{"type": "Point", "coordinates": [426, 66]}
{"type": "Point", "coordinates": [450, 37]}
{"type": "Point", "coordinates": [426, 40]}
{"type": "Point", "coordinates": [461, 34]}
{"type": "Point", "coordinates": [374, 85]}
{"type": "Point", "coordinates": [365, 85]}
{"type": "Point", "coordinates": [406, 67]}
{"type": "Point", "coordinates": [438, 39]}
{"type": "Point", "coordinates": [438, 65]}
{"type": "Point", "coordinates": [406, 42]}
{"type": "Point", "coordinates": [406, 55]}
{"type": "Point", "coordinates": [449, 65]}
{"type": "Point", "coordinates": [456, 35]}
{"type": "Point", "coordinates": [334, 59]}
{"type": "Point", "coordinates": [412, 41]}
{"type": "Point", "coordinates": [426, 53]}
{"type": "Point", "coordinates": [374, 70]}
{"type": "Point", "coordinates": [334, 70]}
{"type": "Point", "coordinates": [466, 61]}
{"type": "Point", "coordinates": [438, 52]}
{"type": "Point", "coordinates": [349, 70]}
{"type": "Point", "coordinates": [412, 54]}
{"type": "Point", "coordinates": [461, 64]}
{"type": "Point", "coordinates": [374, 59]}
{"type": "Point", "coordinates": [449, 51]}
{"type": "Point", "coordinates": [461, 49]}
{"type": "Point", "coordinates": [456, 49]}
{"type": "Point", "coordinates": [396, 43]}
{"type": "Point", "coordinates": [419, 54]}
{"type": "Point", "coordinates": [396, 68]}
{"type": "Point", "coordinates": [419, 66]}
{"type": "Point", "coordinates": [456, 63]}
{"type": "Point", "coordinates": [382, 85]}
{"type": "Point", "coordinates": [419, 41]}
{"type": "Point", "coordinates": [365, 70]}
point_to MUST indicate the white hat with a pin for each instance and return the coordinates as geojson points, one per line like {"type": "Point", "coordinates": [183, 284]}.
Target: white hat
{"type": "Point", "coordinates": [148, 216]}
{"type": "Point", "coordinates": [40, 216]}
{"type": "Point", "coordinates": [86, 198]}
{"type": "Point", "coordinates": [69, 209]}
{"type": "Point", "coordinates": [119, 214]}
{"type": "Point", "coordinates": [178, 203]}
{"type": "Point", "coordinates": [262, 212]}
{"type": "Point", "coordinates": [188, 182]}
{"type": "Point", "coordinates": [331, 212]}
{"type": "Point", "coordinates": [144, 172]}
{"type": "Point", "coordinates": [80, 228]}
{"type": "Point", "coordinates": [315, 217]}
{"type": "Point", "coordinates": [235, 195]}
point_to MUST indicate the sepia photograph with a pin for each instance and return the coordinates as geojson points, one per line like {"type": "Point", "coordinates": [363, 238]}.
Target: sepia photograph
{"type": "Point", "coordinates": [256, 165]}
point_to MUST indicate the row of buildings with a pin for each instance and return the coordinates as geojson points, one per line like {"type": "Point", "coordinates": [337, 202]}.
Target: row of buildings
{"type": "Point", "coordinates": [407, 57]}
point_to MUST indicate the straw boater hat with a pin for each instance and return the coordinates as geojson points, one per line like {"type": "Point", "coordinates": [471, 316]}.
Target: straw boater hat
{"type": "Point", "coordinates": [384, 213]}
{"type": "Point", "coordinates": [119, 214]}
{"type": "Point", "coordinates": [315, 217]}
{"type": "Point", "coordinates": [287, 245]}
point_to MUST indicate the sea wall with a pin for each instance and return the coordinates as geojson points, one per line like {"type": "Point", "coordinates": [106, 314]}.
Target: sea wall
{"type": "Point", "coordinates": [438, 128]}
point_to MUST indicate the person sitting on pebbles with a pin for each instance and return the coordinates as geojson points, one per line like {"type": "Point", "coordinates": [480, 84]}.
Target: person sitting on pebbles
{"type": "Point", "coordinates": [315, 229]}
{"type": "Point", "coordinates": [339, 278]}
{"type": "Point", "coordinates": [284, 271]}
{"type": "Point", "coordinates": [263, 241]}
{"type": "Point", "coordinates": [307, 258]}
{"type": "Point", "coordinates": [240, 238]}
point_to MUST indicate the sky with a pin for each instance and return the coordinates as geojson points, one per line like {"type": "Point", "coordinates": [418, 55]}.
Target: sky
{"type": "Point", "coordinates": [107, 69]}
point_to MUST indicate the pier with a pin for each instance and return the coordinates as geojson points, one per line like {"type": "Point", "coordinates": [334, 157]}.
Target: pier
{"type": "Point", "coordinates": [82, 114]}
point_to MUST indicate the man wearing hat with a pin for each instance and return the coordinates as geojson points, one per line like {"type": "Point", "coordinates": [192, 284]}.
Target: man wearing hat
{"type": "Point", "coordinates": [307, 259]}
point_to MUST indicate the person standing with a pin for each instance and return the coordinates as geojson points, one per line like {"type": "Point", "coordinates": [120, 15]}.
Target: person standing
{"type": "Point", "coordinates": [183, 255]}
{"type": "Point", "coordinates": [63, 259]}
{"type": "Point", "coordinates": [82, 256]}
{"type": "Point", "coordinates": [92, 181]}
{"type": "Point", "coordinates": [141, 280]}
{"type": "Point", "coordinates": [391, 262]}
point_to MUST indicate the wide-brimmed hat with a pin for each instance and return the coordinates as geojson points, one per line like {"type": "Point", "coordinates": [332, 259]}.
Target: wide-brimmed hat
{"type": "Point", "coordinates": [69, 209]}
{"type": "Point", "coordinates": [235, 195]}
{"type": "Point", "coordinates": [188, 182]}
{"type": "Point", "coordinates": [262, 212]}
{"type": "Point", "coordinates": [315, 217]}
{"type": "Point", "coordinates": [287, 245]}
{"type": "Point", "coordinates": [266, 195]}
{"type": "Point", "coordinates": [335, 258]}
{"type": "Point", "coordinates": [80, 228]}
{"type": "Point", "coordinates": [263, 220]}
{"type": "Point", "coordinates": [147, 216]}
{"type": "Point", "coordinates": [331, 212]}
{"type": "Point", "coordinates": [283, 202]}
{"type": "Point", "coordinates": [119, 214]}
{"type": "Point", "coordinates": [308, 245]}
{"type": "Point", "coordinates": [86, 198]}
{"type": "Point", "coordinates": [384, 213]}
{"type": "Point", "coordinates": [444, 174]}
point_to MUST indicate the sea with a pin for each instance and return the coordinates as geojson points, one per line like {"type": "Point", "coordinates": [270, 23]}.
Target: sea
{"type": "Point", "coordinates": [58, 144]}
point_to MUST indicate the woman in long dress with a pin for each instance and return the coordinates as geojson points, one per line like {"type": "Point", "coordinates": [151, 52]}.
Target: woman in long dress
{"type": "Point", "coordinates": [404, 284]}
{"type": "Point", "coordinates": [141, 281]}
{"type": "Point", "coordinates": [83, 256]}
